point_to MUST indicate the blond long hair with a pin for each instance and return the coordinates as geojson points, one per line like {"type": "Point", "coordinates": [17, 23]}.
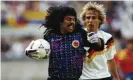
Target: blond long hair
{"type": "Point", "coordinates": [96, 7]}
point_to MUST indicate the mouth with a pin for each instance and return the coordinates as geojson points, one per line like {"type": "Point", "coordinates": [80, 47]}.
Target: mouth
{"type": "Point", "coordinates": [71, 26]}
{"type": "Point", "coordinates": [91, 27]}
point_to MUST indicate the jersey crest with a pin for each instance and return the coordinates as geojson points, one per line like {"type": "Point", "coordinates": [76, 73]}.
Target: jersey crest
{"type": "Point", "coordinates": [75, 43]}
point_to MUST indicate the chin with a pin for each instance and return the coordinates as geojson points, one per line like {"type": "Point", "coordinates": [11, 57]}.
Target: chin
{"type": "Point", "coordinates": [91, 30]}
{"type": "Point", "coordinates": [70, 31]}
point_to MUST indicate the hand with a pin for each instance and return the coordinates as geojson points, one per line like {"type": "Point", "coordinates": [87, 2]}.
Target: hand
{"type": "Point", "coordinates": [31, 52]}
{"type": "Point", "coordinates": [92, 37]}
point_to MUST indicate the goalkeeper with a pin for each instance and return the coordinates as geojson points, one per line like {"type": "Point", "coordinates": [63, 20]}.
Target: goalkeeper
{"type": "Point", "coordinates": [67, 40]}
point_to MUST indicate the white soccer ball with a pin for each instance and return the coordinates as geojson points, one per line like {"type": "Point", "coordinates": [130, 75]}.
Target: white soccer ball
{"type": "Point", "coordinates": [43, 48]}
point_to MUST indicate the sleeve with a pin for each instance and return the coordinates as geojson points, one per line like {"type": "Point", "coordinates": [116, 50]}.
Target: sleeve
{"type": "Point", "coordinates": [84, 37]}
{"type": "Point", "coordinates": [96, 46]}
{"type": "Point", "coordinates": [110, 49]}
{"type": "Point", "coordinates": [88, 44]}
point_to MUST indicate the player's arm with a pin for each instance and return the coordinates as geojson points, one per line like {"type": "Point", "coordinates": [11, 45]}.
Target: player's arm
{"type": "Point", "coordinates": [31, 52]}
{"type": "Point", "coordinates": [96, 42]}
{"type": "Point", "coordinates": [111, 51]}
{"type": "Point", "coordinates": [84, 38]}
{"type": "Point", "coordinates": [113, 69]}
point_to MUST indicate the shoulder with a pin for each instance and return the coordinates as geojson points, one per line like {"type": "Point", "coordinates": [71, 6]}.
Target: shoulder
{"type": "Point", "coordinates": [83, 33]}
{"type": "Point", "coordinates": [105, 36]}
{"type": "Point", "coordinates": [48, 32]}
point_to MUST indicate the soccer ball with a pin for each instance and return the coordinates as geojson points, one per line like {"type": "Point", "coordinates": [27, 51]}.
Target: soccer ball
{"type": "Point", "coordinates": [43, 48]}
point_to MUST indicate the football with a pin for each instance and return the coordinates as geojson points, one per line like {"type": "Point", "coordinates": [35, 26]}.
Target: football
{"type": "Point", "coordinates": [43, 48]}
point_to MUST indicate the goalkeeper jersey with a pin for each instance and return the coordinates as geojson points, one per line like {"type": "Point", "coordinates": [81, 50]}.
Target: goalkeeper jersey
{"type": "Point", "coordinates": [66, 58]}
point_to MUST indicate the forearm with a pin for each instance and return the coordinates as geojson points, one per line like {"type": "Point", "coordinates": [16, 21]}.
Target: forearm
{"type": "Point", "coordinates": [121, 73]}
{"type": "Point", "coordinates": [96, 43]}
{"type": "Point", "coordinates": [113, 69]}
{"type": "Point", "coordinates": [99, 45]}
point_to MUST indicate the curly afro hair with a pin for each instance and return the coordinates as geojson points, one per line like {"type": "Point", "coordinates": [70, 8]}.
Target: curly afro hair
{"type": "Point", "coordinates": [55, 16]}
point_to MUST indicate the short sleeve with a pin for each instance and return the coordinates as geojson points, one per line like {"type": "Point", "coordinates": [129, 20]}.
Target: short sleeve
{"type": "Point", "coordinates": [110, 49]}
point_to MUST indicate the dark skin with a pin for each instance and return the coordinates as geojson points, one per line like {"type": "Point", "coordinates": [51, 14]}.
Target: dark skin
{"type": "Point", "coordinates": [68, 25]}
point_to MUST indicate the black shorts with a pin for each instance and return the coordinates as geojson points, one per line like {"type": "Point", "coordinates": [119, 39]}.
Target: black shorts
{"type": "Point", "coordinates": [108, 78]}
{"type": "Point", "coordinates": [56, 78]}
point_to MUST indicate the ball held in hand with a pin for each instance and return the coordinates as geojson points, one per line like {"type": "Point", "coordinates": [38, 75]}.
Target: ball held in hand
{"type": "Point", "coordinates": [43, 48]}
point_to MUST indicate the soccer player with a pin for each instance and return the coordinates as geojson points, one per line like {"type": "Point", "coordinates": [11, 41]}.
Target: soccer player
{"type": "Point", "coordinates": [125, 61]}
{"type": "Point", "coordinates": [100, 63]}
{"type": "Point", "coordinates": [66, 38]}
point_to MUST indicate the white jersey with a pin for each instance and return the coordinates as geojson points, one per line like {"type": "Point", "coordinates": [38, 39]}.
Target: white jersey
{"type": "Point", "coordinates": [95, 63]}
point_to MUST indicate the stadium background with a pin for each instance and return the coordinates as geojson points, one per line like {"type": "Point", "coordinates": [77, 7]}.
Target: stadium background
{"type": "Point", "coordinates": [20, 21]}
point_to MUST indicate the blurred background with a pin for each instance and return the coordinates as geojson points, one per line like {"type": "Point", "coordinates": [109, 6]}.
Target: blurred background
{"type": "Point", "coordinates": [20, 22]}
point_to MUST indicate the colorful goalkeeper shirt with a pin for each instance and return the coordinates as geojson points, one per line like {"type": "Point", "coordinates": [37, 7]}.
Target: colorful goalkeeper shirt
{"type": "Point", "coordinates": [66, 58]}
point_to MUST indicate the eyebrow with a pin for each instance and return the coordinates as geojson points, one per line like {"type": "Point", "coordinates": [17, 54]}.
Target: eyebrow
{"type": "Point", "coordinates": [68, 17]}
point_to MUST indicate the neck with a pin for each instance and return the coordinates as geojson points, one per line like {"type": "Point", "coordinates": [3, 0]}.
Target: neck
{"type": "Point", "coordinates": [93, 31]}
